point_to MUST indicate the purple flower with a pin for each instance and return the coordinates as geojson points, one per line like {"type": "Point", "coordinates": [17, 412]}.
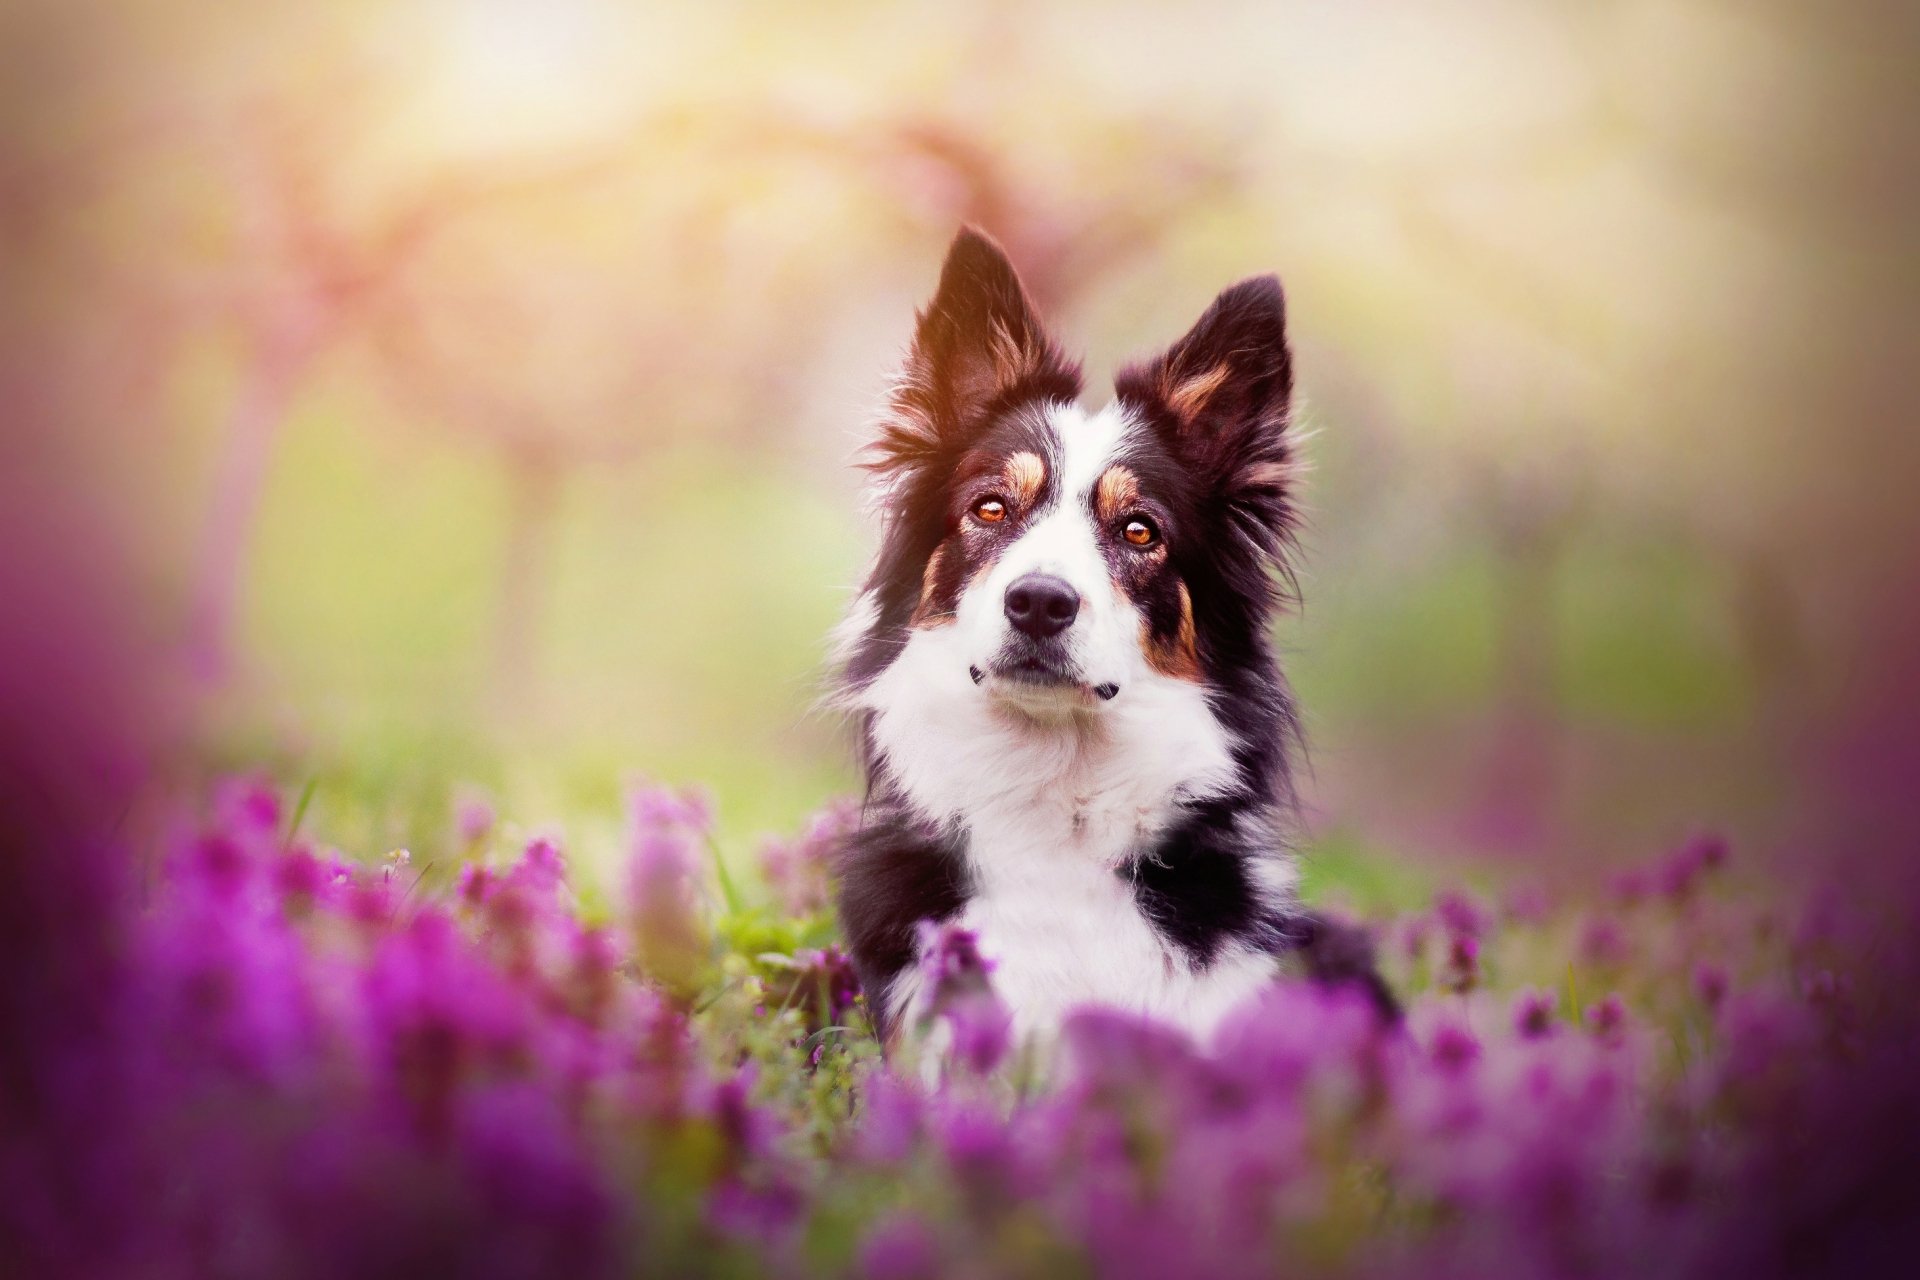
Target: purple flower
{"type": "Point", "coordinates": [1608, 1019]}
{"type": "Point", "coordinates": [247, 807]}
{"type": "Point", "coordinates": [1528, 905]}
{"type": "Point", "coordinates": [1630, 888]}
{"type": "Point", "coordinates": [959, 995]}
{"type": "Point", "coordinates": [1603, 944]}
{"type": "Point", "coordinates": [473, 817]}
{"type": "Point", "coordinates": [890, 1120]}
{"type": "Point", "coordinates": [1453, 1047]}
{"type": "Point", "coordinates": [899, 1247]}
{"type": "Point", "coordinates": [670, 938]}
{"type": "Point", "coordinates": [1461, 972]}
{"type": "Point", "coordinates": [688, 810]}
{"type": "Point", "coordinates": [1460, 914]}
{"type": "Point", "coordinates": [1533, 1014]}
{"type": "Point", "coordinates": [1710, 983]}
{"type": "Point", "coordinates": [800, 871]}
{"type": "Point", "coordinates": [542, 868]}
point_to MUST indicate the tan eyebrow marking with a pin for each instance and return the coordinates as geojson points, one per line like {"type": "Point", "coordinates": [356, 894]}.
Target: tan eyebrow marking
{"type": "Point", "coordinates": [1179, 656]}
{"type": "Point", "coordinates": [1026, 475]}
{"type": "Point", "coordinates": [925, 614]}
{"type": "Point", "coordinates": [1116, 493]}
{"type": "Point", "coordinates": [1188, 398]}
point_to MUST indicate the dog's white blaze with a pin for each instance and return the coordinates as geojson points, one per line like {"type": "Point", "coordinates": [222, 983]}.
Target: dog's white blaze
{"type": "Point", "coordinates": [1103, 642]}
{"type": "Point", "coordinates": [1056, 793]}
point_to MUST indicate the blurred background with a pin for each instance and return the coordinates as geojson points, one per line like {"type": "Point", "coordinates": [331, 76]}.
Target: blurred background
{"type": "Point", "coordinates": [464, 394]}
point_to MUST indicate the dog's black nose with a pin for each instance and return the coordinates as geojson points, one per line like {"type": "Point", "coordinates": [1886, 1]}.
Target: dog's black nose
{"type": "Point", "coordinates": [1042, 605]}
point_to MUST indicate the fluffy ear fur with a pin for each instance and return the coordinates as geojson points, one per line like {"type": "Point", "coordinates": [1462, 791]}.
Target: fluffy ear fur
{"type": "Point", "coordinates": [1219, 397]}
{"type": "Point", "coordinates": [979, 347]}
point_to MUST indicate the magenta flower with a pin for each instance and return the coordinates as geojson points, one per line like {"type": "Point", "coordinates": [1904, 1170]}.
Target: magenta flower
{"type": "Point", "coordinates": [1607, 1019]}
{"type": "Point", "coordinates": [899, 1248]}
{"type": "Point", "coordinates": [1710, 983]}
{"type": "Point", "coordinates": [800, 871]}
{"type": "Point", "coordinates": [473, 817]}
{"type": "Point", "coordinates": [1603, 943]}
{"type": "Point", "coordinates": [1460, 914]}
{"type": "Point", "coordinates": [1527, 905]}
{"type": "Point", "coordinates": [1453, 1047]}
{"type": "Point", "coordinates": [1461, 971]}
{"type": "Point", "coordinates": [959, 995]}
{"type": "Point", "coordinates": [1533, 1014]}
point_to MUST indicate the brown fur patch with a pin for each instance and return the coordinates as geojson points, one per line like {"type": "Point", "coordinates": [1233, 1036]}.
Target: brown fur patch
{"type": "Point", "coordinates": [925, 614]}
{"type": "Point", "coordinates": [1188, 397]}
{"type": "Point", "coordinates": [1116, 493]}
{"type": "Point", "coordinates": [1268, 475]}
{"type": "Point", "coordinates": [1026, 475]}
{"type": "Point", "coordinates": [1012, 360]}
{"type": "Point", "coordinates": [1178, 656]}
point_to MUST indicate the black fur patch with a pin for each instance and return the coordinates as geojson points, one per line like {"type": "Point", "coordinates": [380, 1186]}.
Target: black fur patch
{"type": "Point", "coordinates": [1337, 953]}
{"type": "Point", "coordinates": [1194, 887]}
{"type": "Point", "coordinates": [895, 872]}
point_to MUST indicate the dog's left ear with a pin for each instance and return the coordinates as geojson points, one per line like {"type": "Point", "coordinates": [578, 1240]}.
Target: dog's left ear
{"type": "Point", "coordinates": [1219, 398]}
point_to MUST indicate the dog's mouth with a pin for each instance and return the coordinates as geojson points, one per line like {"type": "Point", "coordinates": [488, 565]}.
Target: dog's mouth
{"type": "Point", "coordinates": [1035, 674]}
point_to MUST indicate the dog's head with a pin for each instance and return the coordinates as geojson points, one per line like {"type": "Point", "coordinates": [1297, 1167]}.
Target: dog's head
{"type": "Point", "coordinates": [1061, 560]}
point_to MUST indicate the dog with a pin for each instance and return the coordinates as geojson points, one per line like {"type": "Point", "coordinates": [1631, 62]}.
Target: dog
{"type": "Point", "coordinates": [1078, 744]}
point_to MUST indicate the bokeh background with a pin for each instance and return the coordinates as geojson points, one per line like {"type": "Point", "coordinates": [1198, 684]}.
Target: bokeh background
{"type": "Point", "coordinates": [465, 394]}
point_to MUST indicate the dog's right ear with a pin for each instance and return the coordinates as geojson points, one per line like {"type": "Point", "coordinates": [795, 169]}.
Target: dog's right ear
{"type": "Point", "coordinates": [979, 348]}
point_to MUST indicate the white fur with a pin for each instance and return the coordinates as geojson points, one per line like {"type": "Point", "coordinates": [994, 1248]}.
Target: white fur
{"type": "Point", "coordinates": [1104, 641]}
{"type": "Point", "coordinates": [1057, 789]}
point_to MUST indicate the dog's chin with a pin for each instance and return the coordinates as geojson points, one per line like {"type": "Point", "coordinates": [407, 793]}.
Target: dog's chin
{"type": "Point", "coordinates": [1041, 688]}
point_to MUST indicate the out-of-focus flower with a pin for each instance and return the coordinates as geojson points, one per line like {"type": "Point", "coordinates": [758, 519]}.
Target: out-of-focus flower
{"type": "Point", "coordinates": [331, 1071]}
{"type": "Point", "coordinates": [820, 982]}
{"type": "Point", "coordinates": [688, 809]}
{"type": "Point", "coordinates": [670, 936]}
{"type": "Point", "coordinates": [899, 1248]}
{"type": "Point", "coordinates": [959, 996]}
{"type": "Point", "coordinates": [1527, 905]}
{"type": "Point", "coordinates": [1710, 983]}
{"type": "Point", "coordinates": [1533, 1014]}
{"type": "Point", "coordinates": [247, 808]}
{"type": "Point", "coordinates": [800, 871]}
{"type": "Point", "coordinates": [1603, 943]}
{"type": "Point", "coordinates": [473, 817]}
{"type": "Point", "coordinates": [1831, 995]}
{"type": "Point", "coordinates": [1460, 915]}
{"type": "Point", "coordinates": [1680, 872]}
{"type": "Point", "coordinates": [1631, 887]}
{"type": "Point", "coordinates": [1453, 1047]}
{"type": "Point", "coordinates": [1461, 972]}
{"type": "Point", "coordinates": [1607, 1019]}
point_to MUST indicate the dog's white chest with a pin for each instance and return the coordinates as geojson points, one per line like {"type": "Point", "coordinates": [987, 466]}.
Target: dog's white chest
{"type": "Point", "coordinates": [1063, 929]}
{"type": "Point", "coordinates": [1051, 812]}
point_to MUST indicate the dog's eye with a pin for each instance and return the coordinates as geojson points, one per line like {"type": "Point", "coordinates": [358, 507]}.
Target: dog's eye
{"type": "Point", "coordinates": [990, 510]}
{"type": "Point", "coordinates": [1140, 532]}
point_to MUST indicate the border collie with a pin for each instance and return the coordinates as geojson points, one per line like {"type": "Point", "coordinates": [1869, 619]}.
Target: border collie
{"type": "Point", "coordinates": [1075, 735]}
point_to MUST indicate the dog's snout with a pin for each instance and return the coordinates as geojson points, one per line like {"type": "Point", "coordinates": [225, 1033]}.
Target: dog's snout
{"type": "Point", "coordinates": [1041, 605]}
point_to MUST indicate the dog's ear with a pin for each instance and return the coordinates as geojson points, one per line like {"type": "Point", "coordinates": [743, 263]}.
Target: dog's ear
{"type": "Point", "coordinates": [1220, 397]}
{"type": "Point", "coordinates": [979, 346]}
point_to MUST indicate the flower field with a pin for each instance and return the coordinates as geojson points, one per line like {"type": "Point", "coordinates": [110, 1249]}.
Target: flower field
{"type": "Point", "coordinates": [251, 1055]}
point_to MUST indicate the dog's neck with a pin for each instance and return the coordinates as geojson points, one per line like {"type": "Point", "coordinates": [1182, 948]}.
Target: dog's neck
{"type": "Point", "coordinates": [1095, 784]}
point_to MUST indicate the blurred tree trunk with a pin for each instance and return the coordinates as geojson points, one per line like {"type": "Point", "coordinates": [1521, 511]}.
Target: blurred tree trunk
{"type": "Point", "coordinates": [277, 358]}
